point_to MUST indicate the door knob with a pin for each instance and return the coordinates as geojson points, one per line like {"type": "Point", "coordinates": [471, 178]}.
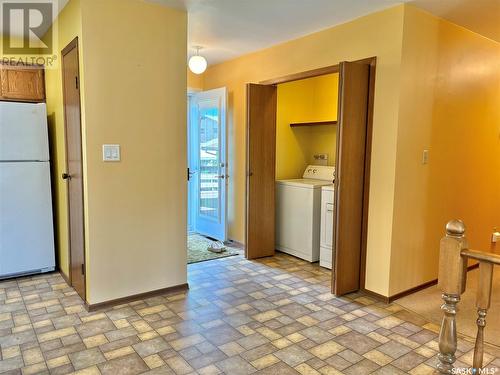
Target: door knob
{"type": "Point", "coordinates": [66, 176]}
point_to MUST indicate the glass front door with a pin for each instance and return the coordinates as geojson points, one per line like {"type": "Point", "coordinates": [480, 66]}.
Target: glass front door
{"type": "Point", "coordinates": [207, 163]}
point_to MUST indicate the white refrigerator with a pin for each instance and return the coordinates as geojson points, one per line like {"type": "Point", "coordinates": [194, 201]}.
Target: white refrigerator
{"type": "Point", "coordinates": [26, 222]}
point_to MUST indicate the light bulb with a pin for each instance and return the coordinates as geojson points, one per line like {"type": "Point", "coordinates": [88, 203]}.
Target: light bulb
{"type": "Point", "coordinates": [197, 64]}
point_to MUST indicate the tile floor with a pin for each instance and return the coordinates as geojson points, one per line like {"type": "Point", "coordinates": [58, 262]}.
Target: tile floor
{"type": "Point", "coordinates": [273, 316]}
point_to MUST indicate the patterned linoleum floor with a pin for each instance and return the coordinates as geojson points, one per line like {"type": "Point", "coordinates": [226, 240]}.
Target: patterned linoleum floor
{"type": "Point", "coordinates": [273, 316]}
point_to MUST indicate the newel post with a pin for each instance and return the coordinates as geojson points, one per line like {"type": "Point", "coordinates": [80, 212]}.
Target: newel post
{"type": "Point", "coordinates": [452, 278]}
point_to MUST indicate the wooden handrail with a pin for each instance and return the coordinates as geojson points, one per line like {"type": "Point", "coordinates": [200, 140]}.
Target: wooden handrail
{"type": "Point", "coordinates": [453, 257]}
{"type": "Point", "coordinates": [482, 256]}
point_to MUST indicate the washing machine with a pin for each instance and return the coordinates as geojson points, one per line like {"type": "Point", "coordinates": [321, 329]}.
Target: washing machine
{"type": "Point", "coordinates": [298, 212]}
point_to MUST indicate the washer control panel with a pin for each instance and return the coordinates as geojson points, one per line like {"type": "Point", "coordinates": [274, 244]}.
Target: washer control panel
{"type": "Point", "coordinates": [319, 172]}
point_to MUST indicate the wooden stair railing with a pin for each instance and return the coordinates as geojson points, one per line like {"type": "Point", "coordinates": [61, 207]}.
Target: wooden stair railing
{"type": "Point", "coordinates": [453, 258]}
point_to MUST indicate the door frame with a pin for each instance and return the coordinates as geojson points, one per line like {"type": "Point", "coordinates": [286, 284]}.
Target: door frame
{"type": "Point", "coordinates": [74, 45]}
{"type": "Point", "coordinates": [190, 189]}
{"type": "Point", "coordinates": [372, 62]}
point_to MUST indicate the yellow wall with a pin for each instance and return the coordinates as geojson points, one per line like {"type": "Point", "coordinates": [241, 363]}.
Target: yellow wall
{"type": "Point", "coordinates": [308, 100]}
{"type": "Point", "coordinates": [133, 87]}
{"type": "Point", "coordinates": [135, 96]}
{"type": "Point", "coordinates": [68, 27]}
{"type": "Point", "coordinates": [26, 56]}
{"type": "Point", "coordinates": [437, 88]}
{"type": "Point", "coordinates": [194, 81]}
{"type": "Point", "coordinates": [379, 34]}
{"type": "Point", "coordinates": [450, 95]}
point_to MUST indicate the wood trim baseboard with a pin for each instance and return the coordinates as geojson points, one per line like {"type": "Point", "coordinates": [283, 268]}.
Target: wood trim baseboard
{"type": "Point", "coordinates": [407, 292]}
{"type": "Point", "coordinates": [416, 289]}
{"type": "Point", "coordinates": [135, 297]}
{"type": "Point", "coordinates": [377, 296]}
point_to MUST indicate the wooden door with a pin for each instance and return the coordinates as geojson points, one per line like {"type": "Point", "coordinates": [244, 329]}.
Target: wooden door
{"type": "Point", "coordinates": [22, 83]}
{"type": "Point", "coordinates": [261, 164]}
{"type": "Point", "coordinates": [354, 83]}
{"type": "Point", "coordinates": [74, 176]}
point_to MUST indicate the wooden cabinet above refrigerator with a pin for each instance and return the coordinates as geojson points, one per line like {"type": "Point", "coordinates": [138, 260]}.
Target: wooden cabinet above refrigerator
{"type": "Point", "coordinates": [22, 83]}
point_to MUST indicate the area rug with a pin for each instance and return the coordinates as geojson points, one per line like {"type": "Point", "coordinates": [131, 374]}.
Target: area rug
{"type": "Point", "coordinates": [197, 249]}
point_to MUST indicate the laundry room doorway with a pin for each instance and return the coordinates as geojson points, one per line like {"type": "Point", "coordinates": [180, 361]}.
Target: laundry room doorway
{"type": "Point", "coordinates": [352, 150]}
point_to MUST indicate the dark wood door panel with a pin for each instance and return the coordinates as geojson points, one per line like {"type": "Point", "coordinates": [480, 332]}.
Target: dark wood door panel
{"type": "Point", "coordinates": [350, 173]}
{"type": "Point", "coordinates": [74, 173]}
{"type": "Point", "coordinates": [261, 164]}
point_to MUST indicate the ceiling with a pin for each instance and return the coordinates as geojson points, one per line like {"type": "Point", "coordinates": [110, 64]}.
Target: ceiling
{"type": "Point", "coordinates": [480, 16]}
{"type": "Point", "coordinates": [230, 28]}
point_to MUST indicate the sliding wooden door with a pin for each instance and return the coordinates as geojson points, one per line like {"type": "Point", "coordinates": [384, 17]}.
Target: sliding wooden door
{"type": "Point", "coordinates": [261, 163]}
{"type": "Point", "coordinates": [354, 86]}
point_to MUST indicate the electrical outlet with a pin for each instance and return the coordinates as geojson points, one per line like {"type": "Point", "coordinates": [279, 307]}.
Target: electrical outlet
{"type": "Point", "coordinates": [321, 157]}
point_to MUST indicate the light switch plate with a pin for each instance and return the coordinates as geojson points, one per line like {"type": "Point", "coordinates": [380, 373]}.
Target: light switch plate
{"type": "Point", "coordinates": [495, 237]}
{"type": "Point", "coordinates": [111, 153]}
{"type": "Point", "coordinates": [425, 157]}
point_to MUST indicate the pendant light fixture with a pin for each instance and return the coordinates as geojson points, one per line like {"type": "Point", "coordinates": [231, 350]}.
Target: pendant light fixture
{"type": "Point", "coordinates": [197, 64]}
